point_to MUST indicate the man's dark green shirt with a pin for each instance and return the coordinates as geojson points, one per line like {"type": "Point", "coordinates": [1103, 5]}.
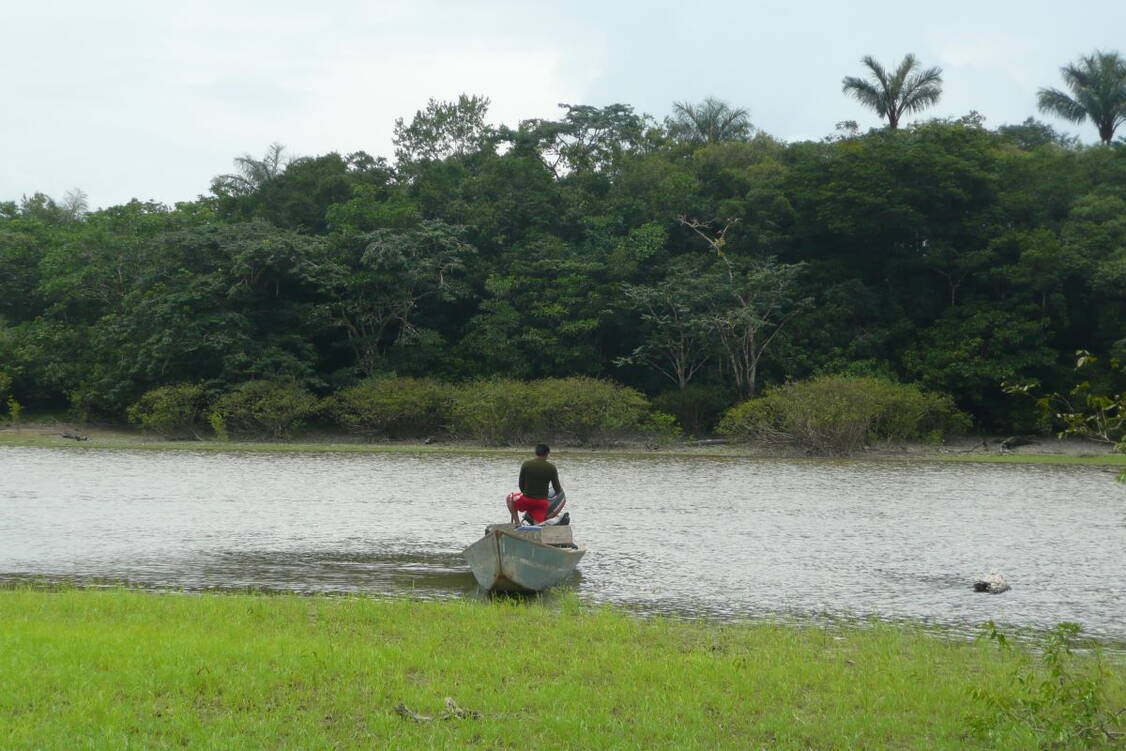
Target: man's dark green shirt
{"type": "Point", "coordinates": [535, 474]}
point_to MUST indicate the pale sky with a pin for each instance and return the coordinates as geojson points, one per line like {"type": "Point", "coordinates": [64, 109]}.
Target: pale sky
{"type": "Point", "coordinates": [149, 99]}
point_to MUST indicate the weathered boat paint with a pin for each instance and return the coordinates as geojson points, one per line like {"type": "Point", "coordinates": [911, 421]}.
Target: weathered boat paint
{"type": "Point", "coordinates": [508, 561]}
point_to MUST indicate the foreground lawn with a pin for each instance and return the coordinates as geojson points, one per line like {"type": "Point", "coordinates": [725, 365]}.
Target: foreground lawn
{"type": "Point", "coordinates": [124, 669]}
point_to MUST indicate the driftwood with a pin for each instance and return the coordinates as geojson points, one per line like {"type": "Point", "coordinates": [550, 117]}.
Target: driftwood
{"type": "Point", "coordinates": [75, 436]}
{"type": "Point", "coordinates": [408, 713]}
{"type": "Point", "coordinates": [1017, 440]}
{"type": "Point", "coordinates": [975, 449]}
{"type": "Point", "coordinates": [453, 712]}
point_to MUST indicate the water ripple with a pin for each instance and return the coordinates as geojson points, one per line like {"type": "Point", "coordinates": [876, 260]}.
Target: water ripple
{"type": "Point", "coordinates": [717, 537]}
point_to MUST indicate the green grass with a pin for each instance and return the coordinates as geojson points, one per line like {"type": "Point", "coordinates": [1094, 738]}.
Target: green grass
{"type": "Point", "coordinates": [1102, 460]}
{"type": "Point", "coordinates": [124, 669]}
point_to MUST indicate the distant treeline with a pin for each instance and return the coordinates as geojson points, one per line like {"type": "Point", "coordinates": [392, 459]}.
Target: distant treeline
{"type": "Point", "coordinates": [696, 265]}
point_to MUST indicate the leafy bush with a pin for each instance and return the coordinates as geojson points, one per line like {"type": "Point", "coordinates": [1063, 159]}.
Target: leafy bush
{"type": "Point", "coordinates": [841, 414]}
{"type": "Point", "coordinates": [661, 426]}
{"type": "Point", "coordinates": [170, 411]}
{"type": "Point", "coordinates": [697, 408]}
{"type": "Point", "coordinates": [585, 410]}
{"type": "Point", "coordinates": [1062, 704]}
{"type": "Point", "coordinates": [588, 410]}
{"type": "Point", "coordinates": [5, 384]}
{"type": "Point", "coordinates": [495, 412]}
{"type": "Point", "coordinates": [276, 409]}
{"type": "Point", "coordinates": [394, 407]}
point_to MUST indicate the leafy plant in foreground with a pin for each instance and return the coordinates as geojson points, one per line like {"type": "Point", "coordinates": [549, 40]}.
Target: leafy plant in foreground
{"type": "Point", "coordinates": [1062, 702]}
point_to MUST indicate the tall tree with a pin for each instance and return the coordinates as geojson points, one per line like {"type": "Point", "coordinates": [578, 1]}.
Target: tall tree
{"type": "Point", "coordinates": [761, 297]}
{"type": "Point", "coordinates": [383, 277]}
{"type": "Point", "coordinates": [1098, 88]}
{"type": "Point", "coordinates": [892, 95]}
{"type": "Point", "coordinates": [252, 173]}
{"type": "Point", "coordinates": [710, 121]}
{"type": "Point", "coordinates": [586, 138]}
{"type": "Point", "coordinates": [442, 130]}
{"type": "Point", "coordinates": [674, 312]}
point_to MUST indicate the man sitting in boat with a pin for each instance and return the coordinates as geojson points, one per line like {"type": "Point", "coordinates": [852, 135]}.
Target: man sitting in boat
{"type": "Point", "coordinates": [535, 476]}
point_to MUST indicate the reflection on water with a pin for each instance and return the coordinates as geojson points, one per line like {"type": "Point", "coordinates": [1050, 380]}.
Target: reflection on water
{"type": "Point", "coordinates": [717, 537]}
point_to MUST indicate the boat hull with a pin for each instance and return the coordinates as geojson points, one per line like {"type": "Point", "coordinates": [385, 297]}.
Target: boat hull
{"type": "Point", "coordinates": [504, 561]}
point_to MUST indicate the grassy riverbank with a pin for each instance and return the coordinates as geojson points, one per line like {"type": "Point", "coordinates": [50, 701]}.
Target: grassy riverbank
{"type": "Point", "coordinates": [1047, 451]}
{"type": "Point", "coordinates": [123, 669]}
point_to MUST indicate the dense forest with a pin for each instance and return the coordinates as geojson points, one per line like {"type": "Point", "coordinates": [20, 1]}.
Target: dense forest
{"type": "Point", "coordinates": [698, 260]}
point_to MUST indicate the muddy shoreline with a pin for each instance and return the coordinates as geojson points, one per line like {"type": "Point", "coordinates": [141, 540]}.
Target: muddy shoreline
{"type": "Point", "coordinates": [1046, 448]}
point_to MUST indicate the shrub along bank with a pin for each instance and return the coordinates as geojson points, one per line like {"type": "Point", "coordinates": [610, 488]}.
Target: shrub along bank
{"type": "Point", "coordinates": [118, 669]}
{"type": "Point", "coordinates": [829, 415]}
{"type": "Point", "coordinates": [580, 410]}
{"type": "Point", "coordinates": [835, 415]}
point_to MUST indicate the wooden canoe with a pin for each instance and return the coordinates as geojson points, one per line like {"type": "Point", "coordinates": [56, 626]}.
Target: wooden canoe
{"type": "Point", "coordinates": [505, 560]}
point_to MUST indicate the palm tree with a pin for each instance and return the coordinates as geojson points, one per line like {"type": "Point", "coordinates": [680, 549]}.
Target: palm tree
{"type": "Point", "coordinates": [1098, 84]}
{"type": "Point", "coordinates": [252, 173]}
{"type": "Point", "coordinates": [906, 90]}
{"type": "Point", "coordinates": [711, 121]}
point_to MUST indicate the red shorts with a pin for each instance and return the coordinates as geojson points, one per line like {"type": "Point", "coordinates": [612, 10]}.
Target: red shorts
{"type": "Point", "coordinates": [536, 507]}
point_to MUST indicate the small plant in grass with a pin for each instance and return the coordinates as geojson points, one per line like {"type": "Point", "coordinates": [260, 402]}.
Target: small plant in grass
{"type": "Point", "coordinates": [218, 425]}
{"type": "Point", "coordinates": [15, 412]}
{"type": "Point", "coordinates": [1062, 703]}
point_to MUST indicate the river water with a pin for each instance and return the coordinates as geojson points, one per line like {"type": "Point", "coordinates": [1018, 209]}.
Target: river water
{"type": "Point", "coordinates": [717, 537]}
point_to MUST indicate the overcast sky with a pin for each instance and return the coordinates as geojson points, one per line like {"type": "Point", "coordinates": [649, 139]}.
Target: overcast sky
{"type": "Point", "coordinates": [151, 99]}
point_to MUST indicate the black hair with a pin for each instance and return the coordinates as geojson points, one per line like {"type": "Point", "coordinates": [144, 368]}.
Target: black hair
{"type": "Point", "coordinates": [542, 449]}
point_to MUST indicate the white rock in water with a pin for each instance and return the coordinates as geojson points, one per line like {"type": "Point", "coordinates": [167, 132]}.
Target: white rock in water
{"type": "Point", "coordinates": [994, 584]}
